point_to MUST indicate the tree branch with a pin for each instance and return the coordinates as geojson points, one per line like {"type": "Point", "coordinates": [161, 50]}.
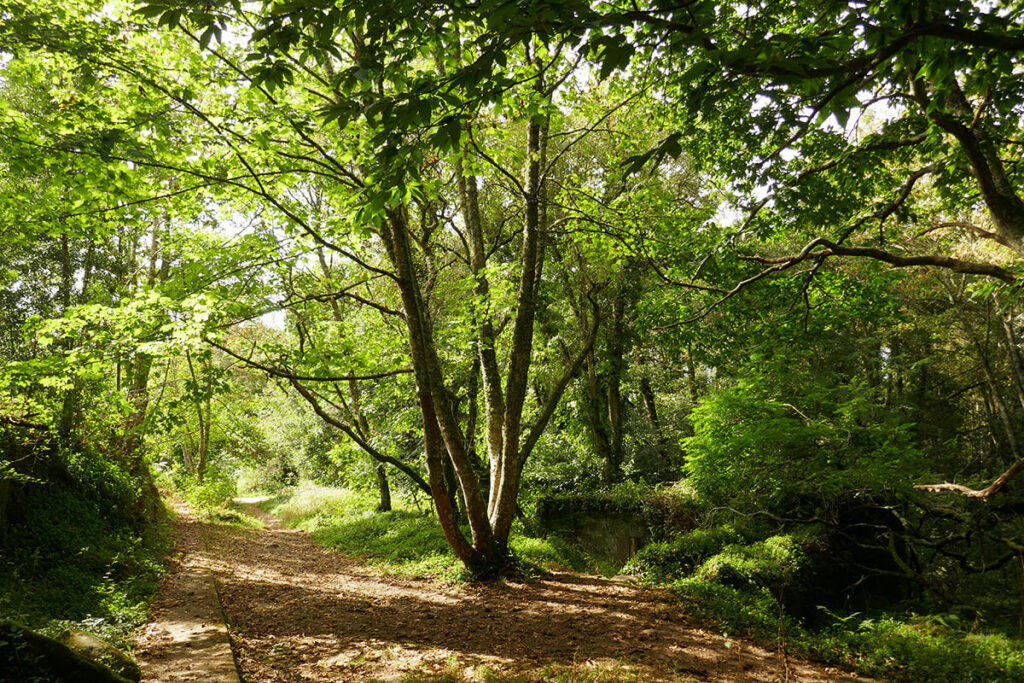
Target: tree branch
{"type": "Point", "coordinates": [362, 443]}
{"type": "Point", "coordinates": [997, 485]}
{"type": "Point", "coordinates": [833, 249]}
{"type": "Point", "coordinates": [291, 376]}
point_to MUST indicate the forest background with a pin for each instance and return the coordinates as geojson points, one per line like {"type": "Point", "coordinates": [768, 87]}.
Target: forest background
{"type": "Point", "coordinates": [744, 275]}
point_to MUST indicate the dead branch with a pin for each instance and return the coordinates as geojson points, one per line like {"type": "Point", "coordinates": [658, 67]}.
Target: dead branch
{"type": "Point", "coordinates": [997, 485]}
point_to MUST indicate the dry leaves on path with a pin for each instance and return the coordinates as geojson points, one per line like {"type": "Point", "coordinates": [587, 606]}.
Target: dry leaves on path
{"type": "Point", "coordinates": [299, 612]}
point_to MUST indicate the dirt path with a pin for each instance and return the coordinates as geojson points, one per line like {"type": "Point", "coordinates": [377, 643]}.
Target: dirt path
{"type": "Point", "coordinates": [186, 639]}
{"type": "Point", "coordinates": [298, 612]}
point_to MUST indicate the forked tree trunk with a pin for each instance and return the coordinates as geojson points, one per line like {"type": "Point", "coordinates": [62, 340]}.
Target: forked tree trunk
{"type": "Point", "coordinates": [440, 426]}
{"type": "Point", "coordinates": [489, 517]}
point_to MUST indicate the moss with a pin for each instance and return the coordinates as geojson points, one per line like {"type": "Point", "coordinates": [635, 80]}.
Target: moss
{"type": "Point", "coordinates": [668, 560]}
{"type": "Point", "coordinates": [772, 563]}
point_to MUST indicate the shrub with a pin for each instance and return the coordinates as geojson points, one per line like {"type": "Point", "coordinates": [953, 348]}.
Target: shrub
{"type": "Point", "coordinates": [773, 563]}
{"type": "Point", "coordinates": [754, 447]}
{"type": "Point", "coordinates": [213, 493]}
{"type": "Point", "coordinates": [668, 560]}
{"type": "Point", "coordinates": [751, 610]}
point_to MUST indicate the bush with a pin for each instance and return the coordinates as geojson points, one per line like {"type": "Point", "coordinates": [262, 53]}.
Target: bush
{"type": "Point", "coordinates": [216, 490]}
{"type": "Point", "coordinates": [750, 610]}
{"type": "Point", "coordinates": [741, 588]}
{"type": "Point", "coordinates": [773, 563]}
{"type": "Point", "coordinates": [754, 447]}
{"type": "Point", "coordinates": [668, 560]}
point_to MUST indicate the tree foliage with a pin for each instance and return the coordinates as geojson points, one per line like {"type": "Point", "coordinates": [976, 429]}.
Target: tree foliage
{"type": "Point", "coordinates": [771, 248]}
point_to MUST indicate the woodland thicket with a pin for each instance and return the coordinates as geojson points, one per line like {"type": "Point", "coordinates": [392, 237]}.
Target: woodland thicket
{"type": "Point", "coordinates": [749, 272]}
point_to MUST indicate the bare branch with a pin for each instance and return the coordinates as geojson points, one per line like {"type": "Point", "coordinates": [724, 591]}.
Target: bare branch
{"type": "Point", "coordinates": [997, 485]}
{"type": "Point", "coordinates": [933, 260]}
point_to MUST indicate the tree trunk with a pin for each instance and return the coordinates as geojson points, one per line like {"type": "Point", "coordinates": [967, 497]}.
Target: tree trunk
{"type": "Point", "coordinates": [691, 376]}
{"type": "Point", "coordinates": [597, 416]}
{"type": "Point", "coordinates": [651, 408]}
{"type": "Point", "coordinates": [67, 423]}
{"type": "Point", "coordinates": [617, 347]}
{"type": "Point", "coordinates": [494, 401]}
{"type": "Point", "coordinates": [383, 489]}
{"type": "Point", "coordinates": [1015, 360]}
{"type": "Point", "coordinates": [489, 516]}
{"type": "Point", "coordinates": [355, 396]}
{"type": "Point", "coordinates": [440, 426]}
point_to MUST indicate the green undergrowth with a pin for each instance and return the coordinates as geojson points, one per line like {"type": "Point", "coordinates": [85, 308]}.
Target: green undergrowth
{"type": "Point", "coordinates": [210, 500]}
{"type": "Point", "coordinates": [77, 555]}
{"type": "Point", "coordinates": [894, 647]}
{"type": "Point", "coordinates": [404, 541]}
{"type": "Point", "coordinates": [748, 586]}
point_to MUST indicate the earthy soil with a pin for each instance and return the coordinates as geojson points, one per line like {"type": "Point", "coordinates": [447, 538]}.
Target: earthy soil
{"type": "Point", "coordinates": [299, 612]}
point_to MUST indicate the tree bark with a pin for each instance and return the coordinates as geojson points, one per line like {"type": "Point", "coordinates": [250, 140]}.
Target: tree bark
{"type": "Point", "coordinates": [355, 396]}
{"type": "Point", "coordinates": [494, 400]}
{"type": "Point", "coordinates": [520, 354]}
{"type": "Point", "coordinates": [955, 116]}
{"type": "Point", "coordinates": [653, 420]}
{"type": "Point", "coordinates": [383, 489]}
{"type": "Point", "coordinates": [440, 425]}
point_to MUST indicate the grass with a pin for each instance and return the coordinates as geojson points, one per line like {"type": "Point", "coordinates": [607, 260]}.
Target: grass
{"type": "Point", "coordinates": [402, 542]}
{"type": "Point", "coordinates": [309, 500]}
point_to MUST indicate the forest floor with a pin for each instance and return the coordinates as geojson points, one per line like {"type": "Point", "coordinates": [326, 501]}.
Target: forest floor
{"type": "Point", "coordinates": [299, 612]}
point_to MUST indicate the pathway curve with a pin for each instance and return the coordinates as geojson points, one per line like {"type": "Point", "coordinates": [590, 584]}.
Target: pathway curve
{"type": "Point", "coordinates": [299, 612]}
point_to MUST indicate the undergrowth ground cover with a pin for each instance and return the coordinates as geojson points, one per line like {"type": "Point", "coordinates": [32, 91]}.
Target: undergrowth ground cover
{"type": "Point", "coordinates": [751, 586]}
{"type": "Point", "coordinates": [405, 541]}
{"type": "Point", "coordinates": [82, 561]}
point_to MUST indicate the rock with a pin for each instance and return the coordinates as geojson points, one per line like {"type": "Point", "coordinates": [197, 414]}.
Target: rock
{"type": "Point", "coordinates": [26, 655]}
{"type": "Point", "coordinates": [91, 647]}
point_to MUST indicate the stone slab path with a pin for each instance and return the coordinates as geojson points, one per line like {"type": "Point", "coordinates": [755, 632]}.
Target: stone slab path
{"type": "Point", "coordinates": [187, 639]}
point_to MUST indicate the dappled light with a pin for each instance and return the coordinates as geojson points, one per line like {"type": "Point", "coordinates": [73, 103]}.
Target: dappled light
{"type": "Point", "coordinates": [527, 340]}
{"type": "Point", "coordinates": [298, 610]}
